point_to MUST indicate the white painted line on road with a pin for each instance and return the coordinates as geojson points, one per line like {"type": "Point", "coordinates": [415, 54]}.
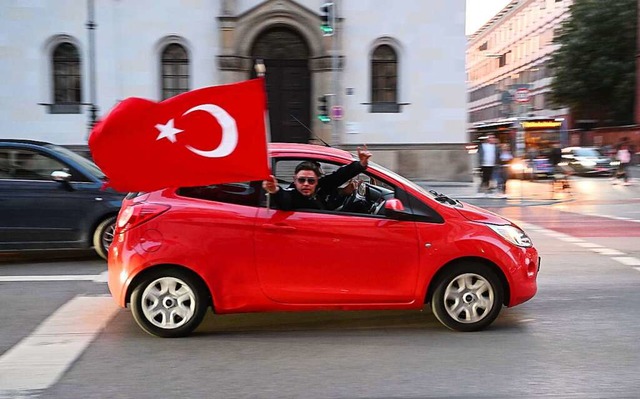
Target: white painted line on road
{"type": "Point", "coordinates": [608, 251]}
{"type": "Point", "coordinates": [102, 277]}
{"type": "Point", "coordinates": [627, 260]}
{"type": "Point", "coordinates": [98, 278]}
{"type": "Point", "coordinates": [39, 360]}
{"type": "Point", "coordinates": [570, 239]}
{"type": "Point", "coordinates": [588, 245]}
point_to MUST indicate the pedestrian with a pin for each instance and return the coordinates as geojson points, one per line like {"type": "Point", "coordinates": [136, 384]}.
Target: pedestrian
{"type": "Point", "coordinates": [502, 174]}
{"type": "Point", "coordinates": [488, 159]}
{"type": "Point", "coordinates": [311, 187]}
{"type": "Point", "coordinates": [624, 157]}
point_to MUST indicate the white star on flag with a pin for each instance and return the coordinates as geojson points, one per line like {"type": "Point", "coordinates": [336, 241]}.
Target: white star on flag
{"type": "Point", "coordinates": [168, 131]}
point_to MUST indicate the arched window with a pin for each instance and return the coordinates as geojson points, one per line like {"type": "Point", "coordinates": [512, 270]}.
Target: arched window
{"type": "Point", "coordinates": [384, 80]}
{"type": "Point", "coordinates": [67, 79]}
{"type": "Point", "coordinates": [175, 70]}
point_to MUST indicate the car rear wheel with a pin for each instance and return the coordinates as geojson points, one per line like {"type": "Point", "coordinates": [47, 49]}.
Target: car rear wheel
{"type": "Point", "coordinates": [169, 303]}
{"type": "Point", "coordinates": [468, 297]}
{"type": "Point", "coordinates": [103, 236]}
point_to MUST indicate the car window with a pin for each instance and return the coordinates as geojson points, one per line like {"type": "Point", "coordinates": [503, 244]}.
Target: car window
{"type": "Point", "coordinates": [6, 169]}
{"type": "Point", "coordinates": [27, 165]}
{"type": "Point", "coordinates": [245, 193]}
{"type": "Point", "coordinates": [372, 191]}
{"type": "Point", "coordinates": [88, 165]}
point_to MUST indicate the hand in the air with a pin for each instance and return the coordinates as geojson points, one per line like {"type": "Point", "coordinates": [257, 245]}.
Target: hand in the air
{"type": "Point", "coordinates": [271, 185]}
{"type": "Point", "coordinates": [364, 156]}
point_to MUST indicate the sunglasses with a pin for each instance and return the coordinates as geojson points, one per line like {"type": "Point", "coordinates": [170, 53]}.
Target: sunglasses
{"type": "Point", "coordinates": [310, 180]}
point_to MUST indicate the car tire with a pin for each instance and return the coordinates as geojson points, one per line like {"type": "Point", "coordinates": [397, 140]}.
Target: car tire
{"type": "Point", "coordinates": [467, 297]}
{"type": "Point", "coordinates": [169, 303]}
{"type": "Point", "coordinates": [103, 236]}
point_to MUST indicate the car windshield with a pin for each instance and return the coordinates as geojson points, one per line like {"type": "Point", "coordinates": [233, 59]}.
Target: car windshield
{"type": "Point", "coordinates": [402, 179]}
{"type": "Point", "coordinates": [89, 165]}
{"type": "Point", "coordinates": [587, 152]}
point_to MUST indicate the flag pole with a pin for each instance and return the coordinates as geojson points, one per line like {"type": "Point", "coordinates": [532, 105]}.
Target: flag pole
{"type": "Point", "coordinates": [260, 72]}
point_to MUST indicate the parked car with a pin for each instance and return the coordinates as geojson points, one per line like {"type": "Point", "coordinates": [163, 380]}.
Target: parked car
{"type": "Point", "coordinates": [52, 198]}
{"type": "Point", "coordinates": [588, 161]}
{"type": "Point", "coordinates": [180, 251]}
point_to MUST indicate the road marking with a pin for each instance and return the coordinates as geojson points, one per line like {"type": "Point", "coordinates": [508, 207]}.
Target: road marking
{"type": "Point", "coordinates": [608, 251]}
{"type": "Point", "coordinates": [588, 245]}
{"type": "Point", "coordinates": [627, 260]}
{"type": "Point", "coordinates": [39, 360]}
{"type": "Point", "coordinates": [570, 239]}
{"type": "Point", "coordinates": [98, 278]}
{"type": "Point", "coordinates": [614, 253]}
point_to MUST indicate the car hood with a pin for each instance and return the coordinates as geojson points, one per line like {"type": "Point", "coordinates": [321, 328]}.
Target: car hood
{"type": "Point", "coordinates": [475, 214]}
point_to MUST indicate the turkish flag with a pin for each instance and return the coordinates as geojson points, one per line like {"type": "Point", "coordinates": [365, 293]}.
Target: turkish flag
{"type": "Point", "coordinates": [206, 136]}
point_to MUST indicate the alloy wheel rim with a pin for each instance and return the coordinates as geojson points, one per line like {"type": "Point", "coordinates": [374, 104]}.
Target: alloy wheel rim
{"type": "Point", "coordinates": [107, 236]}
{"type": "Point", "coordinates": [469, 298]}
{"type": "Point", "coordinates": [168, 303]}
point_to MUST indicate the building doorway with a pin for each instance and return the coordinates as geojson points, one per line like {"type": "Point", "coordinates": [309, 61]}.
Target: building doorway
{"type": "Point", "coordinates": [285, 55]}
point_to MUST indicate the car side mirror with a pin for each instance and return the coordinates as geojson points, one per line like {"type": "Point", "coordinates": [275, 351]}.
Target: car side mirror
{"type": "Point", "coordinates": [394, 205]}
{"type": "Point", "coordinates": [393, 208]}
{"type": "Point", "coordinates": [60, 176]}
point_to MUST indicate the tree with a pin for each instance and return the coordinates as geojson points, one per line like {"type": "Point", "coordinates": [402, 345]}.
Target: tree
{"type": "Point", "coordinates": [594, 66]}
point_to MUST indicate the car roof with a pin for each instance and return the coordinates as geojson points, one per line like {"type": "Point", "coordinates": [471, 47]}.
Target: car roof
{"type": "Point", "coordinates": [25, 141]}
{"type": "Point", "coordinates": [280, 149]}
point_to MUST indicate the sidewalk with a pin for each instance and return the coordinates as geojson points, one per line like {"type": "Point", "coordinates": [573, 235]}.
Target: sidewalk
{"type": "Point", "coordinates": [519, 192]}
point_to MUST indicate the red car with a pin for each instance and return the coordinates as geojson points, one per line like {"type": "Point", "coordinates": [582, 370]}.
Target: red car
{"type": "Point", "coordinates": [179, 251]}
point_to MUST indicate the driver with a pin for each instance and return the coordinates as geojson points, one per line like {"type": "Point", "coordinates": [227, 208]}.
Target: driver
{"type": "Point", "coordinates": [311, 188]}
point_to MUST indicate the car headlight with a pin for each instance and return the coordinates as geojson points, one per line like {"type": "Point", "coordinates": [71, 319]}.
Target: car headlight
{"type": "Point", "coordinates": [615, 163]}
{"type": "Point", "coordinates": [517, 166]}
{"type": "Point", "coordinates": [512, 234]}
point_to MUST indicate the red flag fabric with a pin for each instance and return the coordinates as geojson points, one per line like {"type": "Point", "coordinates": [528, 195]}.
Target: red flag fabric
{"type": "Point", "coordinates": [205, 136]}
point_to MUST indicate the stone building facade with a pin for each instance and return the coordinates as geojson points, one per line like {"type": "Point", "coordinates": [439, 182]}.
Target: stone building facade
{"type": "Point", "coordinates": [394, 73]}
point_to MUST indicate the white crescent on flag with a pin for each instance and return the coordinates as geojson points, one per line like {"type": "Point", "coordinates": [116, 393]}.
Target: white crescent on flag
{"type": "Point", "coordinates": [229, 131]}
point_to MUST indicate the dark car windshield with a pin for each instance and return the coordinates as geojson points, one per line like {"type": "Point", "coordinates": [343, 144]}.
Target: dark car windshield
{"type": "Point", "coordinates": [87, 164]}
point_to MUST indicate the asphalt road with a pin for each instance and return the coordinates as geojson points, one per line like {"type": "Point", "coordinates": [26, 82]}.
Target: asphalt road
{"type": "Point", "coordinates": [578, 338]}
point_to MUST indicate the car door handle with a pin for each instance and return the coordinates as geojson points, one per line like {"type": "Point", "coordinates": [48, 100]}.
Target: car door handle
{"type": "Point", "coordinates": [278, 227]}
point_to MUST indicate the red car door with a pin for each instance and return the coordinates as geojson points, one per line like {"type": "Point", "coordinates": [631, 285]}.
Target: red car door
{"type": "Point", "coordinates": [334, 258]}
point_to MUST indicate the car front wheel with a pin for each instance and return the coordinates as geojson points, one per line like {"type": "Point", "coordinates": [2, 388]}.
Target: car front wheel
{"type": "Point", "coordinates": [103, 236]}
{"type": "Point", "coordinates": [468, 297]}
{"type": "Point", "coordinates": [169, 303]}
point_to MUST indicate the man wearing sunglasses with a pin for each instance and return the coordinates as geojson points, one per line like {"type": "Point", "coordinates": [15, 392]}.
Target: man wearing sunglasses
{"type": "Point", "coordinates": [311, 187]}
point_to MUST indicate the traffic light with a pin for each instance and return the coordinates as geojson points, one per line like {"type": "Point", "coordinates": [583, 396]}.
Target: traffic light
{"type": "Point", "coordinates": [327, 15]}
{"type": "Point", "coordinates": [323, 109]}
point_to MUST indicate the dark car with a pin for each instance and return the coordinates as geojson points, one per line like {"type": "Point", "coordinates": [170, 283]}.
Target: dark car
{"type": "Point", "coordinates": [588, 161]}
{"type": "Point", "coordinates": [52, 198]}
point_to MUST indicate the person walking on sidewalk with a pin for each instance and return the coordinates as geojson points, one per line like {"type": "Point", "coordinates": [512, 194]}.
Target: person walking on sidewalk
{"type": "Point", "coordinates": [502, 171]}
{"type": "Point", "coordinates": [624, 157]}
{"type": "Point", "coordinates": [488, 158]}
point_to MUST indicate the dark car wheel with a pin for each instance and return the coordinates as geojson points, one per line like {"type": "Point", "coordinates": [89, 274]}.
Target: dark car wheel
{"type": "Point", "coordinates": [103, 236]}
{"type": "Point", "coordinates": [468, 297]}
{"type": "Point", "coordinates": [169, 303]}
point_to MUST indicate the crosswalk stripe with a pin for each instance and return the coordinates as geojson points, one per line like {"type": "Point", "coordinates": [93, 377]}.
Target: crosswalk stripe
{"type": "Point", "coordinates": [64, 277]}
{"type": "Point", "coordinates": [38, 361]}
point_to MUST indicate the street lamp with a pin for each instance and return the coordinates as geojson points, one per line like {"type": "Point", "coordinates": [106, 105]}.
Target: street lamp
{"type": "Point", "coordinates": [91, 27]}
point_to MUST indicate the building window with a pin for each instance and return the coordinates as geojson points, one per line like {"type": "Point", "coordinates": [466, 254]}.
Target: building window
{"type": "Point", "coordinates": [384, 80]}
{"type": "Point", "coordinates": [175, 71]}
{"type": "Point", "coordinates": [502, 60]}
{"type": "Point", "coordinates": [67, 80]}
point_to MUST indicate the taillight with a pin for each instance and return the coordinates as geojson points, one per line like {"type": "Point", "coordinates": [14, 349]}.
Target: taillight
{"type": "Point", "coordinates": [136, 214]}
